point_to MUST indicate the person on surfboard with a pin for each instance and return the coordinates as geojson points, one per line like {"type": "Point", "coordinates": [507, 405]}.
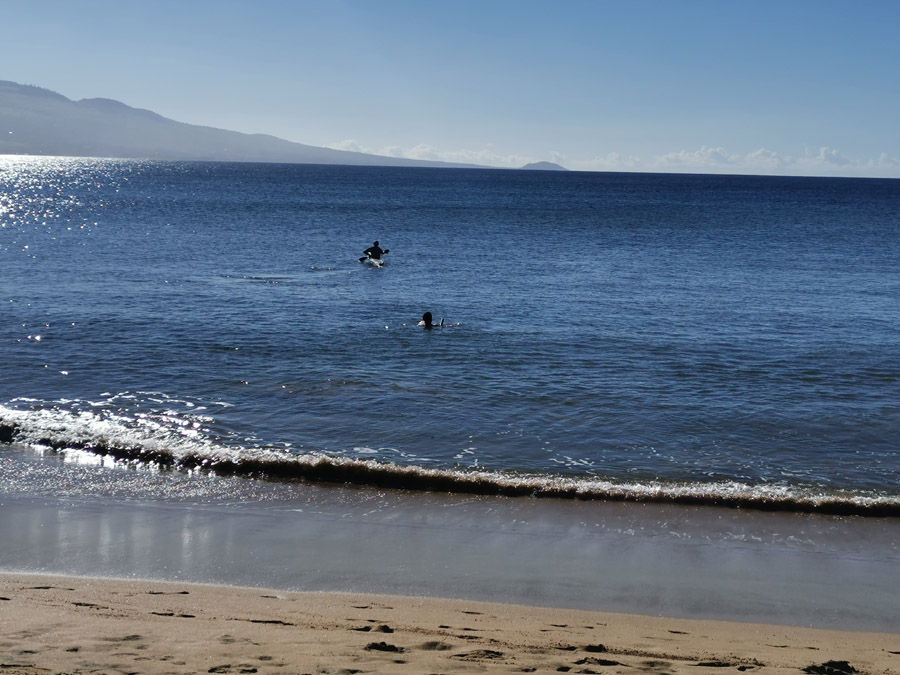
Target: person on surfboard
{"type": "Point", "coordinates": [374, 252]}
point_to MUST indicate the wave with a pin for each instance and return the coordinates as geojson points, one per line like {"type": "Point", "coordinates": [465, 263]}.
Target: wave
{"type": "Point", "coordinates": [153, 445]}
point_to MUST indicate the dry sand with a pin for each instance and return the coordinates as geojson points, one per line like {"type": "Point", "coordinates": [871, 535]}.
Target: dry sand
{"type": "Point", "coordinates": [51, 624]}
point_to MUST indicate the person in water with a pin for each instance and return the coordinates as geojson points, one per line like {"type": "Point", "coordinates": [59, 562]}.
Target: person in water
{"type": "Point", "coordinates": [428, 325]}
{"type": "Point", "coordinates": [375, 251]}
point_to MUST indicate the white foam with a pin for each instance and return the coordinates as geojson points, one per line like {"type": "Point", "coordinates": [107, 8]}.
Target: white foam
{"type": "Point", "coordinates": [179, 440]}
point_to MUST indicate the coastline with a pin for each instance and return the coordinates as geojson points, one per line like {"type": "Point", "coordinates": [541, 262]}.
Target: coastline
{"type": "Point", "coordinates": [65, 624]}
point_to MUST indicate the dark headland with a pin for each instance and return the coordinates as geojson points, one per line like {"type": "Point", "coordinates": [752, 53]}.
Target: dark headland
{"type": "Point", "coordinates": [37, 121]}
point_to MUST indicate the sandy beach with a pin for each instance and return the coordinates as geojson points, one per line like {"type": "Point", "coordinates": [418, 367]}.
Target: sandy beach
{"type": "Point", "coordinates": [229, 576]}
{"type": "Point", "coordinates": [63, 624]}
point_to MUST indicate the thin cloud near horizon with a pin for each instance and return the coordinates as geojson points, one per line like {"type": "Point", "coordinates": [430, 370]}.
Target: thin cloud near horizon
{"type": "Point", "coordinates": [823, 161]}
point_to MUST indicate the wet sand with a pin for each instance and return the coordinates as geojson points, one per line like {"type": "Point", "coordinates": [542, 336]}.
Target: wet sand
{"type": "Point", "coordinates": [73, 625]}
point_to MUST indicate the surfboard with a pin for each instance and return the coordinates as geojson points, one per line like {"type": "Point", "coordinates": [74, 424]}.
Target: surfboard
{"type": "Point", "coordinates": [374, 262]}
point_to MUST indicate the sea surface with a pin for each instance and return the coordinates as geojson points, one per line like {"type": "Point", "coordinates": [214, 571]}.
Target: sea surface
{"type": "Point", "coordinates": [713, 340]}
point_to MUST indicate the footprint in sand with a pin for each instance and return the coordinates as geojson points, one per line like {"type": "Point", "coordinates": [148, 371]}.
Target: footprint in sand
{"type": "Point", "coordinates": [594, 661]}
{"type": "Point", "coordinates": [270, 622]}
{"type": "Point", "coordinates": [383, 628]}
{"type": "Point", "coordinates": [126, 638]}
{"type": "Point", "coordinates": [383, 647]}
{"type": "Point", "coordinates": [479, 654]}
{"type": "Point", "coordinates": [435, 646]}
{"type": "Point", "coordinates": [658, 666]}
{"type": "Point", "coordinates": [228, 668]}
{"type": "Point", "coordinates": [230, 640]}
{"type": "Point", "coordinates": [831, 668]}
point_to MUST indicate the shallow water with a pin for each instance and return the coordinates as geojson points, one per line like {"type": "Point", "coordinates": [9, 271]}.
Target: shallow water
{"type": "Point", "coordinates": [668, 560]}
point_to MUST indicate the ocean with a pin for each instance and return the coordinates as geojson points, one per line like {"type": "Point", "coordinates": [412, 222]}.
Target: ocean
{"type": "Point", "coordinates": [719, 341]}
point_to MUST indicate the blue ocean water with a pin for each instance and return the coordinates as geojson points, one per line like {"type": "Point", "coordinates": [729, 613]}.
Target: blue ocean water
{"type": "Point", "coordinates": [709, 339]}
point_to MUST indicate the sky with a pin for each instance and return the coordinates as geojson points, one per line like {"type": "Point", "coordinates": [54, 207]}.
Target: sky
{"type": "Point", "coordinates": [790, 87]}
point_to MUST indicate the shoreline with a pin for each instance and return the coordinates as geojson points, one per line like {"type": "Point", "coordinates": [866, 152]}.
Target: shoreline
{"type": "Point", "coordinates": [323, 470]}
{"type": "Point", "coordinates": [808, 570]}
{"type": "Point", "coordinates": [695, 563]}
{"type": "Point", "coordinates": [72, 624]}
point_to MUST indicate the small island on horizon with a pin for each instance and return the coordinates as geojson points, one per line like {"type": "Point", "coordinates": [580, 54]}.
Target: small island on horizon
{"type": "Point", "coordinates": [544, 166]}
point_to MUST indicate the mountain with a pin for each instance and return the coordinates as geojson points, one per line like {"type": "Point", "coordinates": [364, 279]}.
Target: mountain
{"type": "Point", "coordinates": [545, 166]}
{"type": "Point", "coordinates": [36, 121]}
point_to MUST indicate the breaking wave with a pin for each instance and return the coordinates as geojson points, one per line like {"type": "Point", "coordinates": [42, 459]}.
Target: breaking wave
{"type": "Point", "coordinates": [181, 447]}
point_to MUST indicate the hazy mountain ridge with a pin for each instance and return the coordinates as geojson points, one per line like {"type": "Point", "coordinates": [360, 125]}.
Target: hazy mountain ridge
{"type": "Point", "coordinates": [37, 121]}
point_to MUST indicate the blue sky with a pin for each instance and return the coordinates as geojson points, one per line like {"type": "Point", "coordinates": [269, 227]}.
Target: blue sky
{"type": "Point", "coordinates": [785, 87]}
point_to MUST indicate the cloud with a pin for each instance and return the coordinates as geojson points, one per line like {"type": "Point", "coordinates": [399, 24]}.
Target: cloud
{"type": "Point", "coordinates": [614, 161]}
{"type": "Point", "coordinates": [353, 146]}
{"type": "Point", "coordinates": [765, 159]}
{"type": "Point", "coordinates": [830, 156]}
{"type": "Point", "coordinates": [884, 161]}
{"type": "Point", "coordinates": [428, 152]}
{"type": "Point", "coordinates": [349, 146]}
{"type": "Point", "coordinates": [703, 158]}
{"type": "Point", "coordinates": [824, 162]}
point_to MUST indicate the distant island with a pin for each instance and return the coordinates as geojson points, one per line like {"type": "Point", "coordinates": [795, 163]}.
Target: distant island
{"type": "Point", "coordinates": [37, 121]}
{"type": "Point", "coordinates": [544, 166]}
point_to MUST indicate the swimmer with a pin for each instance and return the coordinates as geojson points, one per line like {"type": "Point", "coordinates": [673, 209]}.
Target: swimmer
{"type": "Point", "coordinates": [427, 324]}
{"type": "Point", "coordinates": [426, 321]}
